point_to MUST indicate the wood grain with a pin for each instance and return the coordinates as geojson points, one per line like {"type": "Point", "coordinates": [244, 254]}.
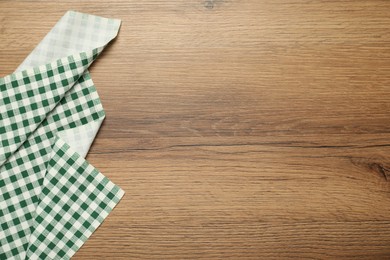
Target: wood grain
{"type": "Point", "coordinates": [238, 129]}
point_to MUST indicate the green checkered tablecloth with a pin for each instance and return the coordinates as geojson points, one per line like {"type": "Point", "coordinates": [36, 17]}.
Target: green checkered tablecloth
{"type": "Point", "coordinates": [51, 198]}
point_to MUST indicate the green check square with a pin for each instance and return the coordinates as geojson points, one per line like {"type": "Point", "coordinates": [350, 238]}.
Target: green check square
{"type": "Point", "coordinates": [72, 66]}
{"type": "Point", "coordinates": [64, 82]}
{"type": "Point", "coordinates": [6, 100]}
{"type": "Point", "coordinates": [26, 80]}
{"type": "Point", "coordinates": [38, 77]}
{"type": "Point", "coordinates": [14, 83]}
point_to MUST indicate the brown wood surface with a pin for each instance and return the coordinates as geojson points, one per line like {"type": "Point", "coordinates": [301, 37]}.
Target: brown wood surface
{"type": "Point", "coordinates": [238, 129]}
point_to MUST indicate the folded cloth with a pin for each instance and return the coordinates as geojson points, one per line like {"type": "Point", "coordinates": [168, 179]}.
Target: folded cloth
{"type": "Point", "coordinates": [51, 198]}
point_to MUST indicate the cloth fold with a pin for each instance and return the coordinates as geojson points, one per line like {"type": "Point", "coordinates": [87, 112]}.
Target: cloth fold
{"type": "Point", "coordinates": [51, 198]}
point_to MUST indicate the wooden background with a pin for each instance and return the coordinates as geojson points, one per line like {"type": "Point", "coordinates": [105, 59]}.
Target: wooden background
{"type": "Point", "coordinates": [238, 129]}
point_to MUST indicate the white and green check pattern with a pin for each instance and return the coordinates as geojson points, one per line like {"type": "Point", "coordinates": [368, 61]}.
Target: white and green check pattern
{"type": "Point", "coordinates": [51, 198]}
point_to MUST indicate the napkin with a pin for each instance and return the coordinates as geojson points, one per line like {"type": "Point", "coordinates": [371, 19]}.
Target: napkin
{"type": "Point", "coordinates": [51, 198]}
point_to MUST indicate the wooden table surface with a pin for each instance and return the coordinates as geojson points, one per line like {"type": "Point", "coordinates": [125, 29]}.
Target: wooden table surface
{"type": "Point", "coordinates": [238, 129]}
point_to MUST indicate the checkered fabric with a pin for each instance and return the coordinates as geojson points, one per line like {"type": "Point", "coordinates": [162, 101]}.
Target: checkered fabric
{"type": "Point", "coordinates": [51, 198]}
